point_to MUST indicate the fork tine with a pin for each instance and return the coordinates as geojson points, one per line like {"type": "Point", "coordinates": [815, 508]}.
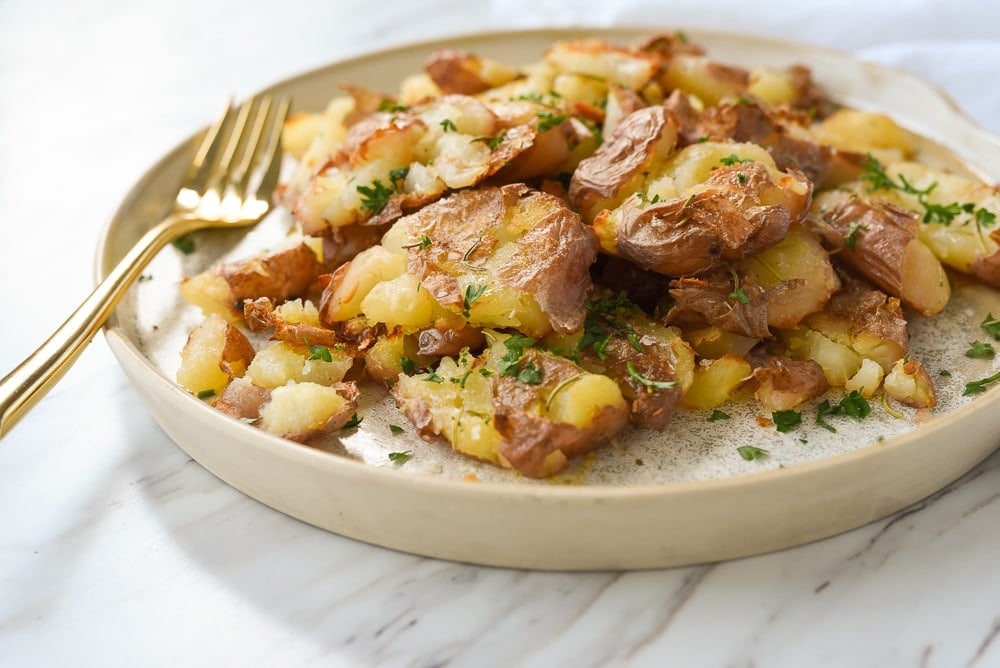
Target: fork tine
{"type": "Point", "coordinates": [271, 157]}
{"type": "Point", "coordinates": [241, 175]}
{"type": "Point", "coordinates": [197, 173]}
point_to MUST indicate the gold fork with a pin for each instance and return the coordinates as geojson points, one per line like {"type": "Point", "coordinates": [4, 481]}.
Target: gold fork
{"type": "Point", "coordinates": [229, 184]}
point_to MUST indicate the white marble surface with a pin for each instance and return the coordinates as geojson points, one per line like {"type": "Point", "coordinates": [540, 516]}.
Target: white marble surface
{"type": "Point", "coordinates": [116, 549]}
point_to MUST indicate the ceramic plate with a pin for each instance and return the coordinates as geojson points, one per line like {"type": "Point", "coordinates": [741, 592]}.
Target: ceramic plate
{"type": "Point", "coordinates": [649, 499]}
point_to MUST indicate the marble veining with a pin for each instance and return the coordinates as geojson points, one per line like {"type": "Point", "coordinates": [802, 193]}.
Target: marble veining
{"type": "Point", "coordinates": [117, 549]}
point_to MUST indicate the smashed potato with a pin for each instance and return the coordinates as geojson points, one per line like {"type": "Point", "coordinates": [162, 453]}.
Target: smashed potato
{"type": "Point", "coordinates": [532, 258]}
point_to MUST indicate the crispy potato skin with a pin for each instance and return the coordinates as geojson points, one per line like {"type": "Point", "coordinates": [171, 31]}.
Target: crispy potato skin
{"type": "Point", "coordinates": [277, 276]}
{"type": "Point", "coordinates": [708, 300]}
{"type": "Point", "coordinates": [599, 181]}
{"type": "Point", "coordinates": [725, 221]}
{"type": "Point", "coordinates": [887, 252]}
{"type": "Point", "coordinates": [784, 383]}
{"type": "Point", "coordinates": [465, 227]}
{"type": "Point", "coordinates": [529, 438]}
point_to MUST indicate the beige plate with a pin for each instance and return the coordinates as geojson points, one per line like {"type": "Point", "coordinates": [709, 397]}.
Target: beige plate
{"type": "Point", "coordinates": [649, 500]}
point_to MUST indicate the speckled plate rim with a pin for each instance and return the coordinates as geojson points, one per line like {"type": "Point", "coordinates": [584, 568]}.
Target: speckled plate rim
{"type": "Point", "coordinates": [569, 527]}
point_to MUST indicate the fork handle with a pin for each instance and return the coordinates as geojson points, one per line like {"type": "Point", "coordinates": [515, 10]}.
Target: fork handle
{"type": "Point", "coordinates": [23, 387]}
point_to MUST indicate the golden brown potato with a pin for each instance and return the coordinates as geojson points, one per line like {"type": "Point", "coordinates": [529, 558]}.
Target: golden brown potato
{"type": "Point", "coordinates": [785, 383]}
{"type": "Point", "coordinates": [514, 406]}
{"type": "Point", "coordinates": [880, 241]}
{"type": "Point", "coordinates": [712, 203]}
{"type": "Point", "coordinates": [602, 60]}
{"type": "Point", "coordinates": [796, 276]}
{"type": "Point", "coordinates": [215, 353]}
{"type": "Point", "coordinates": [652, 364]}
{"type": "Point", "coordinates": [491, 257]}
{"type": "Point", "coordinates": [455, 71]}
{"type": "Point", "coordinates": [302, 411]}
{"type": "Point", "coordinates": [716, 381]}
{"type": "Point", "coordinates": [639, 143]}
{"type": "Point", "coordinates": [909, 383]}
{"type": "Point", "coordinates": [278, 276]}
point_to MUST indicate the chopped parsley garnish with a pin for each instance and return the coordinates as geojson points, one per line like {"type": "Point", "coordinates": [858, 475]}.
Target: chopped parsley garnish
{"type": "Point", "coordinates": [319, 353]}
{"type": "Point", "coordinates": [391, 106]}
{"type": "Point", "coordinates": [353, 422]}
{"type": "Point", "coordinates": [375, 196]}
{"type": "Point", "coordinates": [433, 378]}
{"type": "Point", "coordinates": [733, 159]}
{"type": "Point", "coordinates": [449, 125]}
{"type": "Point", "coordinates": [639, 462]}
{"type": "Point", "coordinates": [548, 120]}
{"type": "Point", "coordinates": [397, 175]}
{"type": "Point", "coordinates": [493, 142]}
{"type": "Point", "coordinates": [852, 234]}
{"type": "Point", "coordinates": [407, 365]}
{"type": "Point", "coordinates": [396, 430]}
{"type": "Point", "coordinates": [719, 415]}
{"type": "Point", "coordinates": [604, 319]}
{"type": "Point", "coordinates": [206, 394]}
{"type": "Point", "coordinates": [472, 293]}
{"type": "Point", "coordinates": [510, 363]}
{"type": "Point", "coordinates": [980, 351]}
{"type": "Point", "coordinates": [977, 386]}
{"type": "Point", "coordinates": [649, 383]}
{"type": "Point", "coordinates": [852, 405]}
{"type": "Point", "coordinates": [856, 406]}
{"type": "Point", "coordinates": [423, 242]}
{"type": "Point", "coordinates": [985, 217]}
{"type": "Point", "coordinates": [184, 244]}
{"type": "Point", "coordinates": [750, 452]}
{"type": "Point", "coordinates": [786, 421]}
{"type": "Point", "coordinates": [400, 457]}
{"type": "Point", "coordinates": [739, 295]}
{"type": "Point", "coordinates": [944, 214]}
{"type": "Point", "coordinates": [991, 326]}
{"type": "Point", "coordinates": [945, 373]}
{"type": "Point", "coordinates": [741, 177]}
{"type": "Point", "coordinates": [530, 374]}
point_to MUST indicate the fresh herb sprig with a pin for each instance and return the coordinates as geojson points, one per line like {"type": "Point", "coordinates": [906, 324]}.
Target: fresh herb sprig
{"type": "Point", "coordinates": [605, 319]}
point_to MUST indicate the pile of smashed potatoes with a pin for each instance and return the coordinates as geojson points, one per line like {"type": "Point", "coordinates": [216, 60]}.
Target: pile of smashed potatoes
{"type": "Point", "coordinates": [532, 258]}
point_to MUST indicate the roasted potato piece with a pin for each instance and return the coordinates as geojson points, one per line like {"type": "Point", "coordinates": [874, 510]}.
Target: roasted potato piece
{"type": "Point", "coordinates": [215, 353]}
{"type": "Point", "coordinates": [280, 362]}
{"type": "Point", "coordinates": [909, 383]}
{"type": "Point", "coordinates": [838, 361]}
{"type": "Point", "coordinates": [710, 204]}
{"type": "Point", "coordinates": [867, 380]}
{"type": "Point", "coordinates": [716, 381]}
{"type": "Point", "coordinates": [301, 411]}
{"type": "Point", "coordinates": [785, 383]}
{"type": "Point", "coordinates": [651, 363]}
{"type": "Point", "coordinates": [711, 81]}
{"type": "Point", "coordinates": [796, 276]}
{"type": "Point", "coordinates": [388, 356]}
{"type": "Point", "coordinates": [733, 303]}
{"type": "Point", "coordinates": [492, 257]}
{"type": "Point", "coordinates": [514, 406]}
{"type": "Point", "coordinates": [602, 60]}
{"type": "Point", "coordinates": [639, 143]}
{"type": "Point", "coordinates": [455, 71]}
{"type": "Point", "coordinates": [278, 276]}
{"type": "Point", "coordinates": [866, 132]}
{"type": "Point", "coordinates": [880, 241]}
{"type": "Point", "coordinates": [785, 133]}
{"type": "Point", "coordinates": [962, 231]}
